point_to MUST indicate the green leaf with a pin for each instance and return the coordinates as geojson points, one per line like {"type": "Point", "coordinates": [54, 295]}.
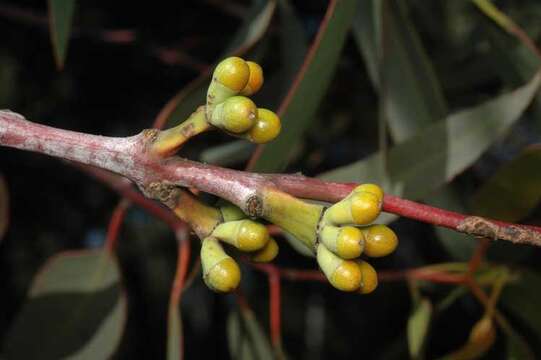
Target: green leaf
{"type": "Point", "coordinates": [246, 338]}
{"type": "Point", "coordinates": [4, 207]}
{"type": "Point", "coordinates": [228, 154]}
{"type": "Point", "coordinates": [75, 308]}
{"type": "Point", "coordinates": [410, 92]}
{"type": "Point", "coordinates": [418, 324]}
{"type": "Point", "coordinates": [460, 246]}
{"type": "Point", "coordinates": [517, 348]}
{"type": "Point", "coordinates": [188, 99]}
{"type": "Point", "coordinates": [510, 195]}
{"type": "Point", "coordinates": [366, 29]}
{"type": "Point", "coordinates": [442, 150]}
{"type": "Point", "coordinates": [523, 297]}
{"type": "Point", "coordinates": [514, 190]}
{"type": "Point", "coordinates": [298, 108]}
{"type": "Point", "coordinates": [174, 332]}
{"type": "Point", "coordinates": [411, 95]}
{"type": "Point", "coordinates": [293, 44]}
{"type": "Point", "coordinates": [298, 245]}
{"type": "Point", "coordinates": [514, 62]}
{"type": "Point", "coordinates": [60, 18]}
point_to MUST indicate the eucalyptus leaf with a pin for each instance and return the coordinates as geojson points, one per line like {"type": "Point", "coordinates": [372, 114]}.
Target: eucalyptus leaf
{"type": "Point", "coordinates": [302, 101]}
{"type": "Point", "coordinates": [60, 20]}
{"type": "Point", "coordinates": [246, 338]}
{"type": "Point", "coordinates": [522, 298]}
{"type": "Point", "coordinates": [444, 149]}
{"type": "Point", "coordinates": [418, 324]}
{"type": "Point", "coordinates": [76, 308]}
{"type": "Point", "coordinates": [174, 333]}
{"type": "Point", "coordinates": [514, 190]}
{"type": "Point", "coordinates": [413, 97]}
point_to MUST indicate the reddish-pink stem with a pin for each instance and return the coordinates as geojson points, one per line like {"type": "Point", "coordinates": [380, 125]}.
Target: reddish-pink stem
{"type": "Point", "coordinates": [115, 223]}
{"type": "Point", "coordinates": [130, 157]}
{"type": "Point", "coordinates": [275, 313]}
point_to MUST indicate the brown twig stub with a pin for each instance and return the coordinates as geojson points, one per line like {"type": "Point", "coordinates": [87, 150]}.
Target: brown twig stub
{"type": "Point", "coordinates": [165, 193]}
{"type": "Point", "coordinates": [478, 226]}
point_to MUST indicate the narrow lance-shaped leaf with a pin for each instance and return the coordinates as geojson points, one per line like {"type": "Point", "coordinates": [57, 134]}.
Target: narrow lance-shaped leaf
{"type": "Point", "coordinates": [514, 190]}
{"type": "Point", "coordinates": [75, 308]}
{"type": "Point", "coordinates": [246, 338]}
{"type": "Point", "coordinates": [306, 93]}
{"type": "Point", "coordinates": [418, 324]}
{"type": "Point", "coordinates": [413, 95]}
{"type": "Point", "coordinates": [441, 151]}
{"type": "Point", "coordinates": [522, 298]}
{"type": "Point", "coordinates": [60, 19]}
{"type": "Point", "coordinates": [174, 333]}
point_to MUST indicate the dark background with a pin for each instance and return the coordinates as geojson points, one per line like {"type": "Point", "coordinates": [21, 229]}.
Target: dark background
{"type": "Point", "coordinates": [118, 89]}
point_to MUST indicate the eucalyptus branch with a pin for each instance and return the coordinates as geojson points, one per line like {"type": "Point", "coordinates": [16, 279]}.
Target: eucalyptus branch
{"type": "Point", "coordinates": [159, 178]}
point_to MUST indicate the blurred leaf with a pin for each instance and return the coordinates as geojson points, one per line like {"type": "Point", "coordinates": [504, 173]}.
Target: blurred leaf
{"type": "Point", "coordinates": [411, 95]}
{"type": "Point", "coordinates": [75, 307]}
{"type": "Point", "coordinates": [4, 207]}
{"type": "Point", "coordinates": [293, 43]}
{"type": "Point", "coordinates": [411, 92]}
{"type": "Point", "coordinates": [60, 19]}
{"type": "Point", "coordinates": [8, 81]}
{"type": "Point", "coordinates": [418, 324]}
{"type": "Point", "coordinates": [298, 245]}
{"type": "Point", "coordinates": [523, 297]}
{"type": "Point", "coordinates": [453, 295]}
{"type": "Point", "coordinates": [444, 149]}
{"type": "Point", "coordinates": [514, 190]}
{"type": "Point", "coordinates": [254, 27]}
{"type": "Point", "coordinates": [460, 246]}
{"type": "Point", "coordinates": [228, 154]}
{"type": "Point", "coordinates": [514, 62]}
{"type": "Point", "coordinates": [188, 99]}
{"type": "Point", "coordinates": [246, 338]}
{"type": "Point", "coordinates": [174, 332]}
{"type": "Point", "coordinates": [517, 348]}
{"type": "Point", "coordinates": [366, 29]}
{"type": "Point", "coordinates": [302, 101]}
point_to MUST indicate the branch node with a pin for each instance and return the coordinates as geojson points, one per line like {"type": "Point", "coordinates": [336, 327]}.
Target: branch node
{"type": "Point", "coordinates": [149, 136]}
{"type": "Point", "coordinates": [254, 206]}
{"type": "Point", "coordinates": [164, 192]}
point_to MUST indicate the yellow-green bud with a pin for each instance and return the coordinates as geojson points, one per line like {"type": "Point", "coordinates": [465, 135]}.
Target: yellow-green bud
{"type": "Point", "coordinates": [266, 128]}
{"type": "Point", "coordinates": [245, 235]}
{"type": "Point", "coordinates": [347, 242]}
{"type": "Point", "coordinates": [232, 72]}
{"type": "Point", "coordinates": [236, 114]}
{"type": "Point", "coordinates": [371, 188]}
{"type": "Point", "coordinates": [230, 212]}
{"type": "Point", "coordinates": [343, 274]}
{"type": "Point", "coordinates": [369, 281]}
{"type": "Point", "coordinates": [361, 207]}
{"type": "Point", "coordinates": [220, 272]}
{"type": "Point", "coordinates": [380, 240]}
{"type": "Point", "coordinates": [267, 253]}
{"type": "Point", "coordinates": [255, 81]}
